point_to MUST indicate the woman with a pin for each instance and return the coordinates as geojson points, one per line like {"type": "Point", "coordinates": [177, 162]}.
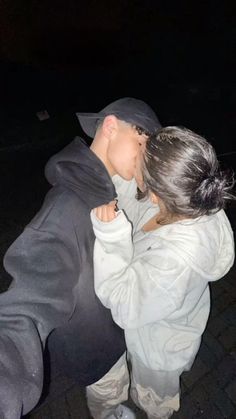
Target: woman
{"type": "Point", "coordinates": [153, 261]}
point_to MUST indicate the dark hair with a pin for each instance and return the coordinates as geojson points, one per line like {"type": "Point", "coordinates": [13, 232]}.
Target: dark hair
{"type": "Point", "coordinates": [142, 131]}
{"type": "Point", "coordinates": [182, 169]}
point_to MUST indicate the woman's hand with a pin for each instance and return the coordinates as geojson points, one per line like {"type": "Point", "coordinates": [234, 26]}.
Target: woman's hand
{"type": "Point", "coordinates": [106, 212]}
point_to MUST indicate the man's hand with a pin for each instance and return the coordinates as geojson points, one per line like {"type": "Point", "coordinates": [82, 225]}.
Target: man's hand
{"type": "Point", "coordinates": [106, 212]}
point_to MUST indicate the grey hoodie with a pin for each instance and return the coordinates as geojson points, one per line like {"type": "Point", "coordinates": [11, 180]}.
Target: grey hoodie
{"type": "Point", "coordinates": [52, 291]}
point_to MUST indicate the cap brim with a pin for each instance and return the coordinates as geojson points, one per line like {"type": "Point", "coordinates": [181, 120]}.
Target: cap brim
{"type": "Point", "coordinates": [88, 122]}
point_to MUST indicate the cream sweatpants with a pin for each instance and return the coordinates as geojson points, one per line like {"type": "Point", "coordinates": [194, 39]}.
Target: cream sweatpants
{"type": "Point", "coordinates": [155, 392]}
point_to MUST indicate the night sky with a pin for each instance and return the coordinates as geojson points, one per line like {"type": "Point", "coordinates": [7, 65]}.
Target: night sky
{"type": "Point", "coordinates": [177, 55]}
{"type": "Point", "coordinates": [185, 39]}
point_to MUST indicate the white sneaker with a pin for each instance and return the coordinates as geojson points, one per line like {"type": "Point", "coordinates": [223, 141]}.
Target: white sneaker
{"type": "Point", "coordinates": [122, 412]}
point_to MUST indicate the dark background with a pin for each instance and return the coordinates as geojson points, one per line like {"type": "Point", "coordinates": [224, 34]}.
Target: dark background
{"type": "Point", "coordinates": [73, 55]}
{"type": "Point", "coordinates": [68, 56]}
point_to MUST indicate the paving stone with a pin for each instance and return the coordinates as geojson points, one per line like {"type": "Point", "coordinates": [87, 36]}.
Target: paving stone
{"type": "Point", "coordinates": [233, 353]}
{"type": "Point", "coordinates": [231, 278]}
{"type": "Point", "coordinates": [209, 385]}
{"type": "Point", "coordinates": [199, 395]}
{"type": "Point", "coordinates": [206, 356]}
{"type": "Point", "coordinates": [214, 311]}
{"type": "Point", "coordinates": [212, 343]}
{"type": "Point", "coordinates": [206, 407]}
{"type": "Point", "coordinates": [228, 338]}
{"type": "Point", "coordinates": [188, 408]}
{"type": "Point", "coordinates": [229, 315]}
{"type": "Point", "coordinates": [205, 402]}
{"type": "Point", "coordinates": [198, 370]}
{"type": "Point", "coordinates": [184, 388]}
{"type": "Point", "coordinates": [216, 290]}
{"type": "Point", "coordinates": [218, 397]}
{"type": "Point", "coordinates": [231, 391]}
{"type": "Point", "coordinates": [216, 325]}
{"type": "Point", "coordinates": [223, 301]}
{"type": "Point", "coordinates": [224, 404]}
{"type": "Point", "coordinates": [229, 287]}
{"type": "Point", "coordinates": [208, 412]}
{"type": "Point", "coordinates": [225, 371]}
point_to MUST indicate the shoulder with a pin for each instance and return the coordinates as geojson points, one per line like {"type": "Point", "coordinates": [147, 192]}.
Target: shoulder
{"type": "Point", "coordinates": [60, 207]}
{"type": "Point", "coordinates": [202, 243]}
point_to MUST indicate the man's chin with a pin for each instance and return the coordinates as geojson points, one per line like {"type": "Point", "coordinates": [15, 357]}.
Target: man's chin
{"type": "Point", "coordinates": [128, 177]}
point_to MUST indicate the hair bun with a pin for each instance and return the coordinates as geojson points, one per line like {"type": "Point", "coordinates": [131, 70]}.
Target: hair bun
{"type": "Point", "coordinates": [212, 181]}
{"type": "Point", "coordinates": [211, 178]}
{"type": "Point", "coordinates": [212, 192]}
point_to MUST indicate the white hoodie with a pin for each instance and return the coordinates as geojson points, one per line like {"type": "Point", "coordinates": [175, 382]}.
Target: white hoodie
{"type": "Point", "coordinates": [156, 283]}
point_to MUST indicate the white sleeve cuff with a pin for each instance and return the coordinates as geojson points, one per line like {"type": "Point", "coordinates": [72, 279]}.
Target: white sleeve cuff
{"type": "Point", "coordinates": [112, 230]}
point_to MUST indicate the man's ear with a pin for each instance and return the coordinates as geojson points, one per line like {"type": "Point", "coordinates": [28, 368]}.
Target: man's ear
{"type": "Point", "coordinates": [109, 126]}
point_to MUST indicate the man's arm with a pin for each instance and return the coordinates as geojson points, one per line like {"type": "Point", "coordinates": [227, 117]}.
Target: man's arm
{"type": "Point", "coordinates": [40, 298]}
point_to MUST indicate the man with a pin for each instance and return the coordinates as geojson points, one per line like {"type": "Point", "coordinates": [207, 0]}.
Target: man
{"type": "Point", "coordinates": [51, 263]}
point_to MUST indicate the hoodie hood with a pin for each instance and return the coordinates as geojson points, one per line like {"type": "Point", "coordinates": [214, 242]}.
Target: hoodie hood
{"type": "Point", "coordinates": [206, 244]}
{"type": "Point", "coordinates": [77, 168]}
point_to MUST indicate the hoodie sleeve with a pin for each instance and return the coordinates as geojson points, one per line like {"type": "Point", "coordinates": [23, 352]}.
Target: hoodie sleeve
{"type": "Point", "coordinates": [39, 299]}
{"type": "Point", "coordinates": [134, 288]}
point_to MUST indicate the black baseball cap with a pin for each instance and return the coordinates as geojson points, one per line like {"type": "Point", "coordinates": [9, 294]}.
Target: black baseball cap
{"type": "Point", "coordinates": [128, 109]}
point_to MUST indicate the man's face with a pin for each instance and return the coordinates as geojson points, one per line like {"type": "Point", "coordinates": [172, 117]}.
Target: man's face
{"type": "Point", "coordinates": [125, 151]}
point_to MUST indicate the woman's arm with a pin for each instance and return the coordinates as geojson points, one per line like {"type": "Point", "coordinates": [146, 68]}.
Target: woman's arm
{"type": "Point", "coordinates": [134, 288]}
